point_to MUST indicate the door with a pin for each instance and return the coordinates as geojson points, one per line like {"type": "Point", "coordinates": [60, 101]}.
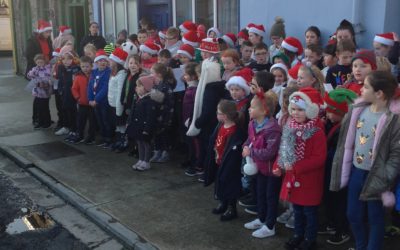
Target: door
{"type": "Point", "coordinates": [159, 12]}
{"type": "Point", "coordinates": [78, 23]}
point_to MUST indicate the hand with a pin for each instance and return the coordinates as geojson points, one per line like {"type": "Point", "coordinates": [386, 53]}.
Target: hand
{"type": "Point", "coordinates": [396, 37]}
{"type": "Point", "coordinates": [288, 167]}
{"type": "Point", "coordinates": [277, 172]}
{"type": "Point", "coordinates": [246, 151]}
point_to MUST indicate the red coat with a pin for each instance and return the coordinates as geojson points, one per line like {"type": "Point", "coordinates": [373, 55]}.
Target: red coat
{"type": "Point", "coordinates": [304, 184]}
{"type": "Point", "coordinates": [79, 88]}
{"type": "Point", "coordinates": [354, 86]}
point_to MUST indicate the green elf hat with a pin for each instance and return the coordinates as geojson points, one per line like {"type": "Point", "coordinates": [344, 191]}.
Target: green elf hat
{"type": "Point", "coordinates": [337, 101]}
{"type": "Point", "coordinates": [109, 48]}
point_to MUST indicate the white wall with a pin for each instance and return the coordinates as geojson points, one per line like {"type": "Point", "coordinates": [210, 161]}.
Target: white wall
{"type": "Point", "coordinates": [324, 14]}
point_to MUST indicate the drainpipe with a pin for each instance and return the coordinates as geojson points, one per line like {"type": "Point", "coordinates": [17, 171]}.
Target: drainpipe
{"type": "Point", "coordinates": [356, 17]}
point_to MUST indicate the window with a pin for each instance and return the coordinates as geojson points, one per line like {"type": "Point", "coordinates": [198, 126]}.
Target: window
{"type": "Point", "coordinates": [119, 15]}
{"type": "Point", "coordinates": [183, 11]}
{"type": "Point", "coordinates": [228, 16]}
{"type": "Point", "coordinates": [108, 20]}
{"type": "Point", "coordinates": [132, 17]}
{"type": "Point", "coordinates": [204, 12]}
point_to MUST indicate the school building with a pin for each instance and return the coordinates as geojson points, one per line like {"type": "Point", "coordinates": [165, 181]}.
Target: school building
{"type": "Point", "coordinates": [368, 16]}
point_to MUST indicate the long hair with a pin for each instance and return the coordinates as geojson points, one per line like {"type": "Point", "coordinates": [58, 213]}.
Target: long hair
{"type": "Point", "coordinates": [166, 74]}
{"type": "Point", "coordinates": [228, 108]}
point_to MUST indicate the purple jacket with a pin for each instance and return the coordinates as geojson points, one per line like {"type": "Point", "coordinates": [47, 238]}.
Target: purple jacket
{"type": "Point", "coordinates": [264, 145]}
{"type": "Point", "coordinates": [188, 104]}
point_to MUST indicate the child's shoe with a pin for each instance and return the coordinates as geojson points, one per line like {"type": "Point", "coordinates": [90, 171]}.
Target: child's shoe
{"type": "Point", "coordinates": [220, 209]}
{"type": "Point", "coordinates": [190, 171]}
{"type": "Point", "coordinates": [138, 163]}
{"type": "Point", "coordinates": [230, 213]}
{"type": "Point", "coordinates": [290, 222]}
{"type": "Point", "coordinates": [62, 131]}
{"type": "Point", "coordinates": [264, 232]}
{"type": "Point", "coordinates": [284, 217]}
{"type": "Point", "coordinates": [70, 137]}
{"type": "Point", "coordinates": [163, 158]}
{"type": "Point", "coordinates": [338, 239]}
{"type": "Point", "coordinates": [254, 225]}
{"type": "Point", "coordinates": [144, 166]}
{"type": "Point", "coordinates": [156, 156]}
{"type": "Point", "coordinates": [251, 210]}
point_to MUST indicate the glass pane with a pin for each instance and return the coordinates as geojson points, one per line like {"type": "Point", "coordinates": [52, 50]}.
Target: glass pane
{"type": "Point", "coordinates": [132, 17]}
{"type": "Point", "coordinates": [205, 13]}
{"type": "Point", "coordinates": [120, 15]}
{"type": "Point", "coordinates": [228, 16]}
{"type": "Point", "coordinates": [183, 11]}
{"type": "Point", "coordinates": [108, 20]}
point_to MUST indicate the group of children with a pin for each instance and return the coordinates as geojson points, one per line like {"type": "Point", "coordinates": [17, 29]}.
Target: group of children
{"type": "Point", "coordinates": [318, 129]}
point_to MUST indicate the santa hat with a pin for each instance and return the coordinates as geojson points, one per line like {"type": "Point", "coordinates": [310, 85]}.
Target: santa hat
{"type": "Point", "coordinates": [119, 56]}
{"type": "Point", "coordinates": [191, 38]}
{"type": "Point", "coordinates": [242, 78]}
{"type": "Point", "coordinates": [148, 82]}
{"type": "Point", "coordinates": [279, 66]}
{"type": "Point", "coordinates": [293, 45]}
{"type": "Point", "coordinates": [258, 29]}
{"type": "Point", "coordinates": [202, 35]}
{"type": "Point", "coordinates": [230, 39]}
{"type": "Point", "coordinates": [187, 25]}
{"type": "Point", "coordinates": [162, 34]}
{"type": "Point", "coordinates": [150, 47]}
{"type": "Point", "coordinates": [293, 72]}
{"type": "Point", "coordinates": [249, 26]}
{"type": "Point", "coordinates": [56, 52]}
{"type": "Point", "coordinates": [215, 30]}
{"type": "Point", "coordinates": [209, 45]}
{"type": "Point", "coordinates": [64, 29]}
{"type": "Point", "coordinates": [337, 101]}
{"type": "Point", "coordinates": [243, 35]}
{"type": "Point", "coordinates": [186, 50]}
{"type": "Point", "coordinates": [100, 54]}
{"type": "Point", "coordinates": [308, 99]}
{"type": "Point", "coordinates": [367, 56]}
{"type": "Point", "coordinates": [385, 38]}
{"type": "Point", "coordinates": [44, 26]}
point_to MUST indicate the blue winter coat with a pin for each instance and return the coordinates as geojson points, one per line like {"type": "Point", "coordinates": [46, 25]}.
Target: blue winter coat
{"type": "Point", "coordinates": [99, 94]}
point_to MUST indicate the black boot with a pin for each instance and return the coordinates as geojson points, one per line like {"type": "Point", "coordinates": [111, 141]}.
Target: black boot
{"type": "Point", "coordinates": [293, 243]}
{"type": "Point", "coordinates": [230, 212]}
{"type": "Point", "coordinates": [221, 208]}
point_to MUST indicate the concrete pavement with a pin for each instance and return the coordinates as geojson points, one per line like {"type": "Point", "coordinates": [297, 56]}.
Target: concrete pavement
{"type": "Point", "coordinates": [162, 207]}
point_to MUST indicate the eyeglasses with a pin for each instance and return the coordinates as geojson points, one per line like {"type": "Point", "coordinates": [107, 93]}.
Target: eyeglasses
{"type": "Point", "coordinates": [260, 53]}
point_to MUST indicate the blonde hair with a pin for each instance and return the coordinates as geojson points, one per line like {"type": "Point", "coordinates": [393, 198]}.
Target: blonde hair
{"type": "Point", "coordinates": [383, 64]}
{"type": "Point", "coordinates": [315, 72]}
{"type": "Point", "coordinates": [268, 102]}
{"type": "Point", "coordinates": [90, 47]}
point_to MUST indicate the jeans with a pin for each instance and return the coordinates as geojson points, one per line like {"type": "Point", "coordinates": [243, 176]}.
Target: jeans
{"type": "Point", "coordinates": [104, 121]}
{"type": "Point", "coordinates": [86, 113]}
{"type": "Point", "coordinates": [357, 211]}
{"type": "Point", "coordinates": [306, 221]}
{"type": "Point", "coordinates": [268, 198]}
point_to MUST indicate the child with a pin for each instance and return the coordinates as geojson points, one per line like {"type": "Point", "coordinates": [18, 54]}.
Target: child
{"type": "Point", "coordinates": [313, 54]}
{"type": "Point", "coordinates": [172, 43]}
{"type": "Point", "coordinates": [230, 60]}
{"type": "Point", "coordinates": [262, 144]}
{"type": "Point", "coordinates": [90, 51]}
{"type": "Point", "coordinates": [66, 71]}
{"type": "Point", "coordinates": [239, 88]}
{"type": "Point", "coordinates": [148, 54]}
{"type": "Point", "coordinates": [257, 34]}
{"type": "Point", "coordinates": [162, 34]}
{"type": "Point", "coordinates": [209, 48]}
{"type": "Point", "coordinates": [192, 81]}
{"type": "Point", "coordinates": [41, 87]}
{"type": "Point", "coordinates": [310, 76]}
{"type": "Point", "coordinates": [277, 34]}
{"type": "Point", "coordinates": [382, 46]}
{"type": "Point", "coordinates": [337, 102]}
{"type": "Point", "coordinates": [245, 51]}
{"type": "Point", "coordinates": [85, 112]}
{"type": "Point", "coordinates": [345, 31]}
{"type": "Point", "coordinates": [312, 35]}
{"type": "Point", "coordinates": [143, 121]}
{"type": "Point", "coordinates": [293, 49]}
{"type": "Point", "coordinates": [55, 62]}
{"type": "Point", "coordinates": [164, 85]}
{"type": "Point", "coordinates": [224, 160]}
{"type": "Point", "coordinates": [280, 71]}
{"type": "Point", "coordinates": [128, 93]}
{"type": "Point", "coordinates": [186, 54]}
{"type": "Point", "coordinates": [367, 158]}
{"type": "Point", "coordinates": [362, 64]}
{"type": "Point", "coordinates": [187, 26]}
{"type": "Point", "coordinates": [262, 81]}
{"type": "Point", "coordinates": [242, 36]}
{"type": "Point", "coordinates": [281, 58]}
{"type": "Point", "coordinates": [261, 57]}
{"type": "Point", "coordinates": [302, 156]}
{"type": "Point", "coordinates": [118, 75]}
{"type": "Point", "coordinates": [97, 96]}
{"type": "Point", "coordinates": [142, 37]}
{"type": "Point", "coordinates": [213, 32]}
{"type": "Point", "coordinates": [330, 58]}
{"type": "Point", "coordinates": [341, 72]}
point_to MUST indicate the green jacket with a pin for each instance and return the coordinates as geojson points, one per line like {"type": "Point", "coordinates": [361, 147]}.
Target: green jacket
{"type": "Point", "coordinates": [386, 152]}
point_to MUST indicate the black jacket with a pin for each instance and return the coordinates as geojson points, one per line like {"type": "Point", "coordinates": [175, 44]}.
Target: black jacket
{"type": "Point", "coordinates": [227, 176]}
{"type": "Point", "coordinates": [32, 49]}
{"type": "Point", "coordinates": [128, 99]}
{"type": "Point", "coordinates": [97, 41]}
{"type": "Point", "coordinates": [65, 80]}
{"type": "Point", "coordinates": [143, 119]}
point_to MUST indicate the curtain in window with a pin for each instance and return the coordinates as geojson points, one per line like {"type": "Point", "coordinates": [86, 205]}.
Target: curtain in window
{"type": "Point", "coordinates": [183, 11]}
{"type": "Point", "coordinates": [108, 19]}
{"type": "Point", "coordinates": [205, 13]}
{"type": "Point", "coordinates": [132, 17]}
{"type": "Point", "coordinates": [228, 16]}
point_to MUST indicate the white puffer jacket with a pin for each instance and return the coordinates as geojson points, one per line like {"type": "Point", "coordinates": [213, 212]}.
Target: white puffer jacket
{"type": "Point", "coordinates": [114, 91]}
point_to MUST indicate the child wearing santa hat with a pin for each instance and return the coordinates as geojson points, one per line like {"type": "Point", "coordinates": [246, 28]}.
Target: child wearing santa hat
{"type": "Point", "coordinates": [149, 54]}
{"type": "Point", "coordinates": [64, 36]}
{"type": "Point", "coordinates": [293, 48]}
{"type": "Point", "coordinates": [394, 53]}
{"type": "Point", "coordinates": [301, 158]}
{"type": "Point", "coordinates": [382, 46]}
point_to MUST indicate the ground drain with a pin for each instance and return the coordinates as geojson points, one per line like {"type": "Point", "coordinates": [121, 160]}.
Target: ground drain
{"type": "Point", "coordinates": [31, 222]}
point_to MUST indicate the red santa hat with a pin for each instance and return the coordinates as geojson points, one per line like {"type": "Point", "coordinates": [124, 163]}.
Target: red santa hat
{"type": "Point", "coordinates": [150, 47]}
{"type": "Point", "coordinates": [215, 30]}
{"type": "Point", "coordinates": [242, 78]}
{"type": "Point", "coordinates": [191, 38]}
{"type": "Point", "coordinates": [100, 54]}
{"type": "Point", "coordinates": [293, 44]}
{"type": "Point", "coordinates": [119, 56]}
{"type": "Point", "coordinates": [162, 34]}
{"type": "Point", "coordinates": [258, 29]}
{"type": "Point", "coordinates": [294, 71]}
{"type": "Point", "coordinates": [209, 45]}
{"type": "Point", "coordinates": [308, 99]}
{"type": "Point", "coordinates": [186, 50]}
{"type": "Point", "coordinates": [385, 38]}
{"type": "Point", "coordinates": [56, 52]}
{"type": "Point", "coordinates": [44, 26]}
{"type": "Point", "coordinates": [64, 29]}
{"type": "Point", "coordinates": [243, 35]}
{"type": "Point", "coordinates": [230, 39]}
{"type": "Point", "coordinates": [187, 25]}
{"type": "Point", "coordinates": [249, 26]}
